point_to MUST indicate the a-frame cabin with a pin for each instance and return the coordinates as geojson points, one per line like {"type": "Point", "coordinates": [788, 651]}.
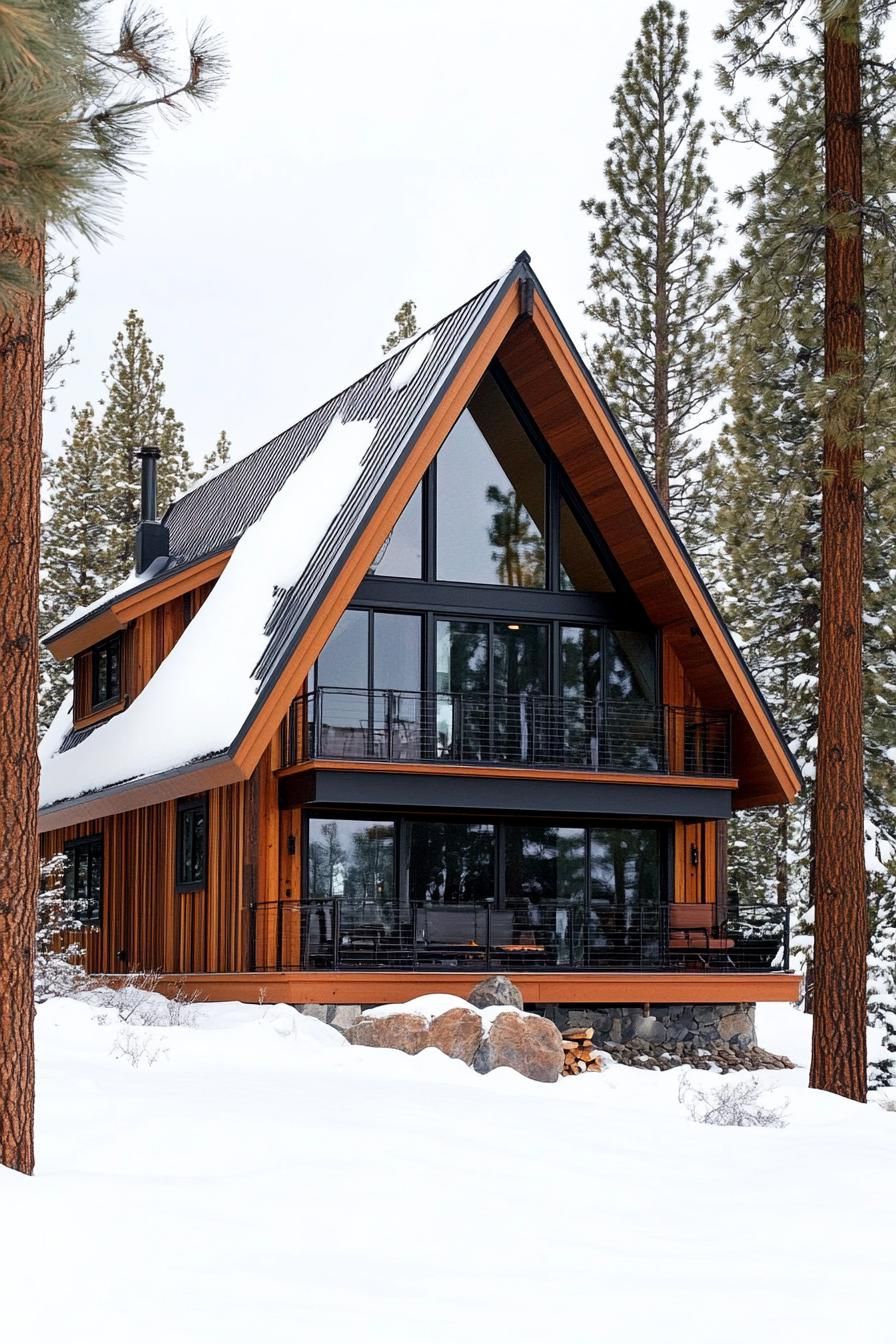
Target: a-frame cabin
{"type": "Point", "coordinates": [425, 687]}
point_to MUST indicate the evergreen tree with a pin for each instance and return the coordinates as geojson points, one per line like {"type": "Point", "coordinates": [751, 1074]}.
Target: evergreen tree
{"type": "Point", "coordinates": [651, 288]}
{"type": "Point", "coordinates": [134, 414]}
{"type": "Point", "coordinates": [219, 456]}
{"type": "Point", "coordinates": [405, 326]}
{"type": "Point", "coordinates": [74, 104]}
{"type": "Point", "coordinates": [767, 474]}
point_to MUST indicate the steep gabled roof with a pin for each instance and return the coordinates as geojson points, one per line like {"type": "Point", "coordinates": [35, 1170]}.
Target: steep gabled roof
{"type": "Point", "coordinates": [407, 419]}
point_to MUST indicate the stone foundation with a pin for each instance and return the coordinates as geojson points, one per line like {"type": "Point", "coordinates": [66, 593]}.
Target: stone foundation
{"type": "Point", "coordinates": [698, 1024]}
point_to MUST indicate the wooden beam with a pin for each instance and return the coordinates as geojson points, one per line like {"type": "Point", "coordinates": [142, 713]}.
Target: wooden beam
{"type": "Point", "coordinates": [507, 772]}
{"type": "Point", "coordinates": [369, 987]}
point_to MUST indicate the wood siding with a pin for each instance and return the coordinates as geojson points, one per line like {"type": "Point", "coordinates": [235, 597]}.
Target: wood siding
{"type": "Point", "coordinates": [146, 924]}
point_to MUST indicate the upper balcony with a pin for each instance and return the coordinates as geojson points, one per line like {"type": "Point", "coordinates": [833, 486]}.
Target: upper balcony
{"type": "Point", "coordinates": [528, 731]}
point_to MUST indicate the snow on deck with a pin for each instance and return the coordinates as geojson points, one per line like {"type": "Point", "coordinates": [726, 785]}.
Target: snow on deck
{"type": "Point", "coordinates": [202, 693]}
{"type": "Point", "coordinates": [262, 1180]}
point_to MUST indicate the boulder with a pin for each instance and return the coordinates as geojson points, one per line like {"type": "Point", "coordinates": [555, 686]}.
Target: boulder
{"type": "Point", "coordinates": [408, 1032]}
{"type": "Point", "coordinates": [531, 1045]}
{"type": "Point", "coordinates": [457, 1033]}
{"type": "Point", "coordinates": [495, 992]}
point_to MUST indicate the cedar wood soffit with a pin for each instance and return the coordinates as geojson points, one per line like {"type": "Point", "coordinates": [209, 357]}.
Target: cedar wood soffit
{"type": "Point", "coordinates": [519, 299]}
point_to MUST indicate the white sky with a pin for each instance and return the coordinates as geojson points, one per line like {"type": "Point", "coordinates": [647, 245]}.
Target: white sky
{"type": "Point", "coordinates": [361, 154]}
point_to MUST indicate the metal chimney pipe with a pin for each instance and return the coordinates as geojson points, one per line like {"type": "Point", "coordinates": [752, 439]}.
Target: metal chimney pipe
{"type": "Point", "coordinates": [149, 457]}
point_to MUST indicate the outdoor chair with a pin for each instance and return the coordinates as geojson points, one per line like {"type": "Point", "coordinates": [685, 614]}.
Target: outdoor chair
{"type": "Point", "coordinates": [694, 931]}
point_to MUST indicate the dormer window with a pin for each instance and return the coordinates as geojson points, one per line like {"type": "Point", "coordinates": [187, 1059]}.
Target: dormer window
{"type": "Point", "coordinates": [105, 673]}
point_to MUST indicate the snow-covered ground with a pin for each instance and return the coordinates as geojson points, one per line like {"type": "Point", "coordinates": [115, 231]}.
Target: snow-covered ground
{"type": "Point", "coordinates": [261, 1180]}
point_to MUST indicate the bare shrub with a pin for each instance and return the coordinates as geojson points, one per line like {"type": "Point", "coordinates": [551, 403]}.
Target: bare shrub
{"type": "Point", "coordinates": [742, 1104]}
{"type": "Point", "coordinates": [135, 999]}
{"type": "Point", "coordinates": [137, 1047]}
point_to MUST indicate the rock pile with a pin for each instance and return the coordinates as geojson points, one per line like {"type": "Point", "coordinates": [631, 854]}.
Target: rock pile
{"type": "Point", "coordinates": [640, 1054]}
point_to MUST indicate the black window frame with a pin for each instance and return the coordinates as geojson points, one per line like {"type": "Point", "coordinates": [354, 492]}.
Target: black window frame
{"type": "Point", "coordinates": [193, 805]}
{"type": "Point", "coordinates": [105, 693]}
{"type": "Point", "coordinates": [401, 820]}
{"type": "Point", "coordinates": [92, 914]}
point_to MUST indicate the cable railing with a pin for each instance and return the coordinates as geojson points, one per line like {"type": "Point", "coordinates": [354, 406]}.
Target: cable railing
{"type": "Point", "coordinates": [379, 934]}
{"type": "Point", "coordinates": [527, 730]}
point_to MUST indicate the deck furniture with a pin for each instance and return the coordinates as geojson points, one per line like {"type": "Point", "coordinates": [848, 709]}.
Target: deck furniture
{"type": "Point", "coordinates": [694, 931]}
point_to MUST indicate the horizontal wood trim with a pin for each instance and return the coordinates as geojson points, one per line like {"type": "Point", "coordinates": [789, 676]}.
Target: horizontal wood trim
{"type": "Point", "coordinates": [69, 642]}
{"type": "Point", "coordinates": [166, 590]}
{"type": "Point", "coordinates": [507, 772]}
{"type": "Point", "coordinates": [672, 558]}
{"type": "Point", "coordinates": [108, 712]}
{"type": "Point", "coordinates": [367, 987]}
{"type": "Point", "coordinates": [138, 793]}
{"type": "Point", "coordinates": [131, 605]}
{"type": "Point", "coordinates": [266, 722]}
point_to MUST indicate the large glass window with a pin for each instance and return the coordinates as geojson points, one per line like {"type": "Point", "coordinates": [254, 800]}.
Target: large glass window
{"type": "Point", "coordinates": [462, 685]}
{"type": "Point", "coordinates": [369, 678]}
{"type": "Point", "coordinates": [84, 878]}
{"type": "Point", "coordinates": [580, 569]}
{"type": "Point", "coordinates": [490, 498]}
{"type": "Point", "coordinates": [451, 862]}
{"type": "Point", "coordinates": [520, 676]}
{"type": "Point", "coordinates": [401, 555]}
{"type": "Point", "coordinates": [353, 862]}
{"type": "Point", "coordinates": [544, 886]}
{"type": "Point", "coordinates": [580, 676]}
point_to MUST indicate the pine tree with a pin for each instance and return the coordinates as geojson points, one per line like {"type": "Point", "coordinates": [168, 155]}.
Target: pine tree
{"type": "Point", "coordinates": [78, 561]}
{"type": "Point", "coordinates": [652, 249]}
{"type": "Point", "coordinates": [405, 326]}
{"type": "Point", "coordinates": [74, 104]}
{"type": "Point", "coordinates": [771, 480]}
{"type": "Point", "coordinates": [219, 456]}
{"type": "Point", "coordinates": [134, 414]}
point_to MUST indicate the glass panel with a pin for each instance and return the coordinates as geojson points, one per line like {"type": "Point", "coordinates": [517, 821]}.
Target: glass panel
{"type": "Point", "coordinates": [451, 862]}
{"type": "Point", "coordinates": [580, 667]}
{"type": "Point", "coordinates": [580, 569]}
{"type": "Point", "coordinates": [632, 722]}
{"type": "Point", "coordinates": [397, 667]}
{"type": "Point", "coordinates": [95, 882]}
{"type": "Point", "coordinates": [401, 555]}
{"type": "Point", "coordinates": [545, 890]}
{"type": "Point", "coordinates": [344, 725]}
{"type": "Point", "coordinates": [352, 864]}
{"type": "Point", "coordinates": [490, 498]}
{"type": "Point", "coordinates": [521, 730]}
{"type": "Point", "coordinates": [462, 686]}
{"type": "Point", "coordinates": [625, 885]}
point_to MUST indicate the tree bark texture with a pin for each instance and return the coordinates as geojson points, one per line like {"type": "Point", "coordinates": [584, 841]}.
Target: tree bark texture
{"type": "Point", "coordinates": [661, 304]}
{"type": "Point", "coordinates": [21, 391]}
{"type": "Point", "coordinates": [841, 920]}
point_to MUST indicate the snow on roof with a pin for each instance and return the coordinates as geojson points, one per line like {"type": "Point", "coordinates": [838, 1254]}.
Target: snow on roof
{"type": "Point", "coordinates": [133, 580]}
{"type": "Point", "coordinates": [199, 698]}
{"type": "Point", "coordinates": [412, 363]}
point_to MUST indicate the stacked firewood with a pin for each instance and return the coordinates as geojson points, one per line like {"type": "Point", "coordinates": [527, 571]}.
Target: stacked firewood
{"type": "Point", "coordinates": [580, 1054]}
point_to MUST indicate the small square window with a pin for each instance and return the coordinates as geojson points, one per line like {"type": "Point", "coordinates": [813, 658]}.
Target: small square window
{"type": "Point", "coordinates": [84, 878]}
{"type": "Point", "coordinates": [106, 673]}
{"type": "Point", "coordinates": [191, 843]}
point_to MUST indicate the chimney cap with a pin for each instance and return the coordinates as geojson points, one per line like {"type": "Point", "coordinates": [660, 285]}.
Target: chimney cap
{"type": "Point", "coordinates": [149, 450]}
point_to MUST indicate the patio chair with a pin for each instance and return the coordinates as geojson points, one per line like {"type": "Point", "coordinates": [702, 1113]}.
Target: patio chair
{"type": "Point", "coordinates": [694, 931]}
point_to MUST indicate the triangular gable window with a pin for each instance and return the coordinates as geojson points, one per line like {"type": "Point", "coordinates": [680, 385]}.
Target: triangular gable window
{"type": "Point", "coordinates": [497, 514]}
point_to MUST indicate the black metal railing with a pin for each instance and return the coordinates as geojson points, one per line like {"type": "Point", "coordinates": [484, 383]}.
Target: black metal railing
{"type": "Point", "coordinates": [539, 731]}
{"type": "Point", "coordinates": [378, 935]}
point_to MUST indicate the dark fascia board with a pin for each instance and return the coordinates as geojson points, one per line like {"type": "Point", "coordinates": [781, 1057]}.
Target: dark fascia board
{"type": "Point", "coordinates": [112, 793]}
{"type": "Point", "coordinates": [458, 793]}
{"type": "Point", "coordinates": [670, 527]}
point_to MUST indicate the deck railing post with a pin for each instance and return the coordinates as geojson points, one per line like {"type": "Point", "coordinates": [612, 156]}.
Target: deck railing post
{"type": "Point", "coordinates": [785, 915]}
{"type": "Point", "coordinates": [252, 912]}
{"type": "Point", "coordinates": [488, 937]}
{"type": "Point", "coordinates": [337, 934]}
{"type": "Point", "coordinates": [279, 935]}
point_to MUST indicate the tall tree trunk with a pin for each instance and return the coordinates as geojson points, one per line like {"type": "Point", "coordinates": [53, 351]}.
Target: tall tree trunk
{"type": "Point", "coordinates": [841, 919]}
{"type": "Point", "coordinates": [661, 445]}
{"type": "Point", "coordinates": [21, 388]}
